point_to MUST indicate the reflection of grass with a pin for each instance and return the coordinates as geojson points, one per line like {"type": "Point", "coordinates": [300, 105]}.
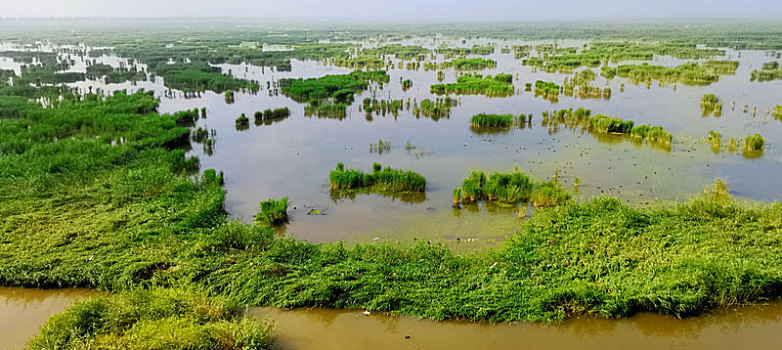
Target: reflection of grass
{"type": "Point", "coordinates": [338, 195]}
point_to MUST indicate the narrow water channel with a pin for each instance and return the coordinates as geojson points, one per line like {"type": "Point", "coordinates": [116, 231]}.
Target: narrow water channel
{"type": "Point", "coordinates": [24, 311]}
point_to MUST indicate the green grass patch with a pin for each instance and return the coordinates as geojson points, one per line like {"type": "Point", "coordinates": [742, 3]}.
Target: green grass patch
{"type": "Point", "coordinates": [153, 319]}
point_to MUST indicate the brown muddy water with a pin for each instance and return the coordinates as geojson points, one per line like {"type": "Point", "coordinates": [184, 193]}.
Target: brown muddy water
{"type": "Point", "coordinates": [24, 311]}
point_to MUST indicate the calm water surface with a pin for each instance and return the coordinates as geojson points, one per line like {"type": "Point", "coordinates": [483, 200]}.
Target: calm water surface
{"type": "Point", "coordinates": [24, 311]}
{"type": "Point", "coordinates": [293, 157]}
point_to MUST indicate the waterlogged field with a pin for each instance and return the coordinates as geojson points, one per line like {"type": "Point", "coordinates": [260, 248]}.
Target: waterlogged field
{"type": "Point", "coordinates": [439, 176]}
{"type": "Point", "coordinates": [292, 156]}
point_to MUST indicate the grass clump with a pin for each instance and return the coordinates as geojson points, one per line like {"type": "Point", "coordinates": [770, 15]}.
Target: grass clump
{"type": "Point", "coordinates": [463, 64]}
{"type": "Point", "coordinates": [340, 87]}
{"type": "Point", "coordinates": [715, 139]}
{"type": "Point", "coordinates": [199, 76]}
{"type": "Point", "coordinates": [549, 90]}
{"type": "Point", "coordinates": [754, 142]}
{"type": "Point", "coordinates": [273, 212]}
{"type": "Point", "coordinates": [483, 120]}
{"type": "Point", "coordinates": [439, 108]}
{"type": "Point", "coordinates": [770, 71]}
{"type": "Point", "coordinates": [690, 73]}
{"type": "Point", "coordinates": [269, 116]}
{"type": "Point", "coordinates": [153, 319]}
{"type": "Point", "coordinates": [381, 179]}
{"type": "Point", "coordinates": [242, 122]}
{"type": "Point", "coordinates": [600, 123]}
{"type": "Point", "coordinates": [710, 105]}
{"type": "Point", "coordinates": [549, 194]}
{"type": "Point", "coordinates": [511, 188]}
{"type": "Point", "coordinates": [476, 84]}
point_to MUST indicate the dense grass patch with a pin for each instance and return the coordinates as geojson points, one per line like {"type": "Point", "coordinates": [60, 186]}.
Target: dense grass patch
{"type": "Point", "coordinates": [600, 123]}
{"type": "Point", "coordinates": [476, 84]}
{"type": "Point", "coordinates": [154, 319]}
{"type": "Point", "coordinates": [381, 179]}
{"type": "Point", "coordinates": [690, 73]}
{"type": "Point", "coordinates": [273, 212]}
{"type": "Point", "coordinates": [510, 188]}
{"type": "Point", "coordinates": [482, 120]}
{"type": "Point", "coordinates": [340, 87]}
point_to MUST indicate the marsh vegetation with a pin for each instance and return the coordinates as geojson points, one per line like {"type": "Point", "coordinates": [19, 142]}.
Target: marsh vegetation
{"type": "Point", "coordinates": [102, 188]}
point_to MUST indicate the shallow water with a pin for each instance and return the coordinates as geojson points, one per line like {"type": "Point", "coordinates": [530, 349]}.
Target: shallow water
{"type": "Point", "coordinates": [755, 327]}
{"type": "Point", "coordinates": [24, 311]}
{"type": "Point", "coordinates": [292, 157]}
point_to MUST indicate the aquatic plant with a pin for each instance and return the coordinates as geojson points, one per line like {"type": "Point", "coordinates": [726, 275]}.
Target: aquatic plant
{"type": "Point", "coordinates": [715, 139]}
{"type": "Point", "coordinates": [462, 64]}
{"type": "Point", "coordinates": [503, 187]}
{"type": "Point", "coordinates": [483, 120]}
{"type": "Point", "coordinates": [380, 147]}
{"type": "Point", "coordinates": [186, 117]}
{"type": "Point", "coordinates": [382, 180]}
{"type": "Point", "coordinates": [273, 212]}
{"type": "Point", "coordinates": [439, 108]}
{"type": "Point", "coordinates": [605, 124]}
{"type": "Point", "coordinates": [754, 142]}
{"type": "Point", "coordinates": [340, 87]}
{"type": "Point", "coordinates": [777, 113]}
{"type": "Point", "coordinates": [711, 105]}
{"type": "Point", "coordinates": [581, 118]}
{"type": "Point", "coordinates": [476, 84]}
{"type": "Point", "coordinates": [770, 71]}
{"type": "Point", "coordinates": [242, 121]}
{"type": "Point", "coordinates": [154, 319]}
{"type": "Point", "coordinates": [719, 191]}
{"type": "Point", "coordinates": [553, 58]}
{"type": "Point", "coordinates": [690, 73]}
{"type": "Point", "coordinates": [549, 194]}
{"type": "Point", "coordinates": [323, 108]}
{"type": "Point", "coordinates": [549, 90]}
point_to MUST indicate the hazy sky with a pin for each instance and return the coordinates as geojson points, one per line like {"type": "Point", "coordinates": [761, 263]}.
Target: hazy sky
{"type": "Point", "coordinates": [400, 9]}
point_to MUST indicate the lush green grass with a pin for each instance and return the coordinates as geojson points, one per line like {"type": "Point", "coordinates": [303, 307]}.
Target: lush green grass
{"type": "Point", "coordinates": [200, 77]}
{"type": "Point", "coordinates": [556, 59]}
{"type": "Point", "coordinates": [381, 179]}
{"type": "Point", "coordinates": [770, 71]}
{"type": "Point", "coordinates": [482, 120]}
{"type": "Point", "coordinates": [462, 64]}
{"type": "Point", "coordinates": [439, 108]}
{"type": "Point", "coordinates": [476, 84]}
{"type": "Point", "coordinates": [111, 75]}
{"type": "Point", "coordinates": [154, 319]}
{"type": "Point", "coordinates": [690, 73]}
{"type": "Point", "coordinates": [711, 105]}
{"type": "Point", "coordinates": [340, 87]}
{"type": "Point", "coordinates": [601, 123]}
{"type": "Point", "coordinates": [273, 212]}
{"type": "Point", "coordinates": [511, 188]}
